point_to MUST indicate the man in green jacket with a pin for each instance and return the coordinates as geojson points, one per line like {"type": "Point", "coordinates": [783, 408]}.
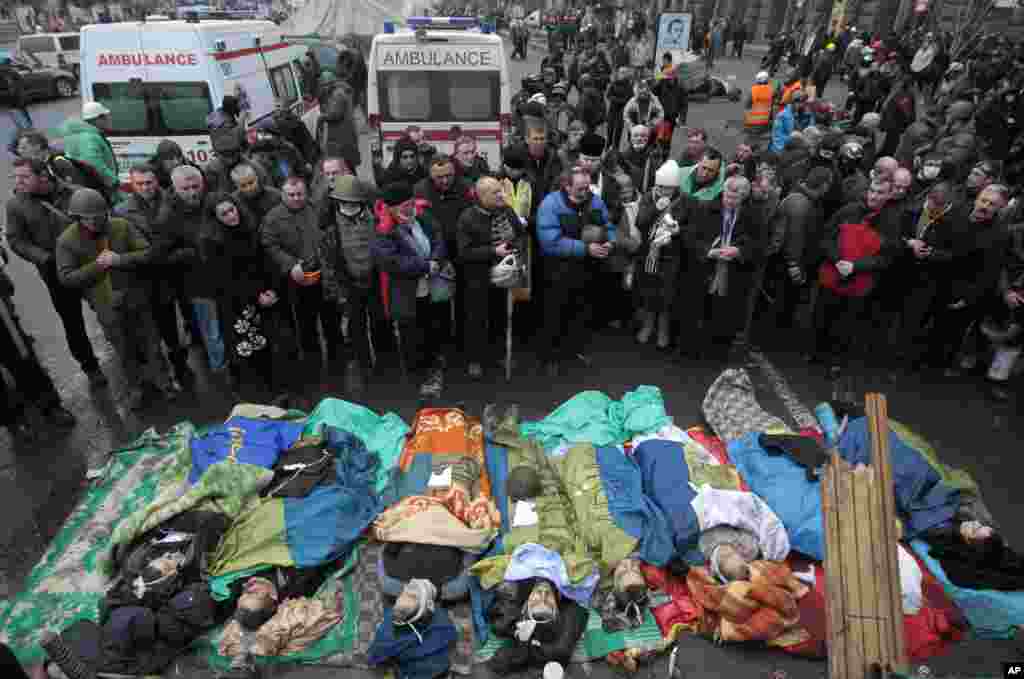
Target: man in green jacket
{"type": "Point", "coordinates": [101, 255]}
{"type": "Point", "coordinates": [85, 140]}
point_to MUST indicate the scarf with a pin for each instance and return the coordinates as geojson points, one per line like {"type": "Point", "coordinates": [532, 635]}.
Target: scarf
{"type": "Point", "coordinates": [710, 192]}
{"type": "Point", "coordinates": [659, 228]}
{"type": "Point", "coordinates": [930, 216]}
{"type": "Point", "coordinates": [720, 281]}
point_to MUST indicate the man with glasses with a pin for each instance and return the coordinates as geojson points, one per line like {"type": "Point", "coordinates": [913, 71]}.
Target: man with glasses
{"type": "Point", "coordinates": [101, 256]}
{"type": "Point", "coordinates": [575, 237]}
{"type": "Point", "coordinates": [36, 217]}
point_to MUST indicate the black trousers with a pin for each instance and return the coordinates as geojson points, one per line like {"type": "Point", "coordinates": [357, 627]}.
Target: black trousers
{"type": "Point", "coordinates": [484, 320]}
{"type": "Point", "coordinates": [843, 327]}
{"type": "Point", "coordinates": [169, 299]}
{"type": "Point", "coordinates": [310, 307]}
{"type": "Point", "coordinates": [31, 381]}
{"type": "Point", "coordinates": [423, 338]}
{"type": "Point", "coordinates": [568, 306]}
{"type": "Point", "coordinates": [616, 123]}
{"type": "Point", "coordinates": [67, 302]}
{"type": "Point", "coordinates": [923, 298]}
{"type": "Point", "coordinates": [358, 308]}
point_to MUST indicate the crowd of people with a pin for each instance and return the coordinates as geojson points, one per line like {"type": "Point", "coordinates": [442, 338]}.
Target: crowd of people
{"type": "Point", "coordinates": [887, 240]}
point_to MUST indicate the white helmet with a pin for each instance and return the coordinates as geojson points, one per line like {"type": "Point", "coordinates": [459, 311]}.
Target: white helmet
{"type": "Point", "coordinates": [94, 109]}
{"type": "Point", "coordinates": [762, 77]}
{"type": "Point", "coordinates": [508, 273]}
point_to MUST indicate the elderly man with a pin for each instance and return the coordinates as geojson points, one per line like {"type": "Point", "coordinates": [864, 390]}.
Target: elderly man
{"type": "Point", "coordinates": [469, 164]}
{"type": "Point", "coordinates": [100, 256]}
{"type": "Point", "coordinates": [975, 275]}
{"type": "Point", "coordinates": [179, 226]}
{"type": "Point", "coordinates": [884, 169]}
{"type": "Point", "coordinates": [290, 234]}
{"type": "Point", "coordinates": [721, 252]}
{"type": "Point", "coordinates": [253, 195]}
{"type": "Point", "coordinates": [575, 237]}
{"type": "Point", "coordinates": [488, 232]}
{"type": "Point", "coordinates": [32, 232]}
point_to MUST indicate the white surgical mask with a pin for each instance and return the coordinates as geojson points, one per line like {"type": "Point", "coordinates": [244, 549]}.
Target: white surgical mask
{"type": "Point", "coordinates": [350, 209]}
{"type": "Point", "coordinates": [662, 202]}
{"type": "Point", "coordinates": [930, 171]}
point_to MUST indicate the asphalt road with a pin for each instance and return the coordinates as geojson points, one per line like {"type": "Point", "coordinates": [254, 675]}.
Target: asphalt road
{"type": "Point", "coordinates": [40, 483]}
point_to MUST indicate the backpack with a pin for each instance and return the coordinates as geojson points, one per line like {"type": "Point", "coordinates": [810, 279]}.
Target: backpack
{"type": "Point", "coordinates": [79, 173]}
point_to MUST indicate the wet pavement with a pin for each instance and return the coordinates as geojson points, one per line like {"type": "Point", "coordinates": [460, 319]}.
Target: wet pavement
{"type": "Point", "coordinates": [41, 481]}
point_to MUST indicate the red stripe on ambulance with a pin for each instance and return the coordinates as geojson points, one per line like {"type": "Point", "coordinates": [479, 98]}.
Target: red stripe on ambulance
{"type": "Point", "coordinates": [446, 135]}
{"type": "Point", "coordinates": [248, 51]}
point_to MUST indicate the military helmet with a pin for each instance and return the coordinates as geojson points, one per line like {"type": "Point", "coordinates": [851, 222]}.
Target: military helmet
{"type": "Point", "coordinates": [88, 203]}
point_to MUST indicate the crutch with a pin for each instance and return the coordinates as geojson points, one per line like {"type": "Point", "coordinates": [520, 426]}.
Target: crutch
{"type": "Point", "coordinates": [509, 307]}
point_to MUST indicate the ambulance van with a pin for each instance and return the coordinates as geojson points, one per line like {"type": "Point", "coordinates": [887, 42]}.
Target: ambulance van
{"type": "Point", "coordinates": [448, 76]}
{"type": "Point", "coordinates": [161, 78]}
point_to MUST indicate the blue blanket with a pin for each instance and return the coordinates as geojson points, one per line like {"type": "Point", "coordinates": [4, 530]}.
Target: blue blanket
{"type": "Point", "coordinates": [657, 497]}
{"type": "Point", "coordinates": [923, 501]}
{"type": "Point", "coordinates": [244, 439]}
{"type": "Point", "coordinates": [992, 614]}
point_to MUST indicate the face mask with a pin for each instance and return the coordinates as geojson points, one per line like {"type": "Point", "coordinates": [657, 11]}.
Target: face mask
{"type": "Point", "coordinates": [930, 171]}
{"type": "Point", "coordinates": [350, 209]}
{"type": "Point", "coordinates": [662, 202]}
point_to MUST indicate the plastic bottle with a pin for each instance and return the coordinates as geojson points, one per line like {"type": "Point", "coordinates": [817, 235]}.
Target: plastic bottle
{"type": "Point", "coordinates": [827, 421]}
{"type": "Point", "coordinates": [553, 670]}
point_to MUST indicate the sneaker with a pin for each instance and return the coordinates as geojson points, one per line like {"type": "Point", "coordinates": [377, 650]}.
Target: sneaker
{"type": "Point", "coordinates": [432, 386]}
{"type": "Point", "coordinates": [96, 377]}
{"type": "Point", "coordinates": [475, 371]}
{"type": "Point", "coordinates": [60, 416]}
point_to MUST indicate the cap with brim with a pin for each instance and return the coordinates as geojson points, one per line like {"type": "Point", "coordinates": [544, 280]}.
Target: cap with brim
{"type": "Point", "coordinates": [396, 193]}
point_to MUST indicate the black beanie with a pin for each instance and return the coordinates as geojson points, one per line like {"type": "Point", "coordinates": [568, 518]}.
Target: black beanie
{"type": "Point", "coordinates": [396, 193]}
{"type": "Point", "coordinates": [592, 145]}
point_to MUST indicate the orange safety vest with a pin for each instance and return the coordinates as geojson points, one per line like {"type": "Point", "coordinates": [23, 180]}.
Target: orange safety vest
{"type": "Point", "coordinates": [760, 112]}
{"type": "Point", "coordinates": [788, 90]}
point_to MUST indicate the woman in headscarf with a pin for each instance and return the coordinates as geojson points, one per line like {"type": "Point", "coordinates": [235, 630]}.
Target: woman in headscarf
{"type": "Point", "coordinates": [249, 306]}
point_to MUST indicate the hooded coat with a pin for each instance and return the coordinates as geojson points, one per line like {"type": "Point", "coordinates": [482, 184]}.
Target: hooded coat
{"type": "Point", "coordinates": [336, 131]}
{"type": "Point", "coordinates": [86, 143]}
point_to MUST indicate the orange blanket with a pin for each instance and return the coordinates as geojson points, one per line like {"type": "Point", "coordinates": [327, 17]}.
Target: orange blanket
{"type": "Point", "coordinates": [447, 434]}
{"type": "Point", "coordinates": [763, 609]}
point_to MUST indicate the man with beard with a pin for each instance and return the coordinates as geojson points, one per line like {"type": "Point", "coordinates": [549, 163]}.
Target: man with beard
{"type": "Point", "coordinates": [720, 258]}
{"type": "Point", "coordinates": [619, 93]}
{"type": "Point", "coordinates": [644, 108]}
{"type": "Point", "coordinates": [178, 229]}
{"type": "Point", "coordinates": [255, 198]}
{"type": "Point", "coordinates": [636, 161]}
{"type": "Point", "coordinates": [449, 195]}
{"type": "Point", "coordinates": [405, 165]}
{"type": "Point", "coordinates": [229, 153]}
{"type": "Point", "coordinates": [142, 208]}
{"type": "Point", "coordinates": [570, 151]}
{"type": "Point", "coordinates": [575, 237]}
{"type": "Point", "coordinates": [36, 217]}
{"type": "Point", "coordinates": [854, 253]}
{"type": "Point", "coordinates": [101, 256]}
{"type": "Point", "coordinates": [290, 235]}
{"type": "Point", "coordinates": [975, 275]}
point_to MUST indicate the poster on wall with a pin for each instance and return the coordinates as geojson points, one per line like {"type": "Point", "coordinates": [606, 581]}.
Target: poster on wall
{"type": "Point", "coordinates": [673, 37]}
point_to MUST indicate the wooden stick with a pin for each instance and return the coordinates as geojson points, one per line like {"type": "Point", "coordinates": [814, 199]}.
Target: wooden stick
{"type": "Point", "coordinates": [873, 616]}
{"type": "Point", "coordinates": [854, 608]}
{"type": "Point", "coordinates": [878, 422]}
{"type": "Point", "coordinates": [835, 613]}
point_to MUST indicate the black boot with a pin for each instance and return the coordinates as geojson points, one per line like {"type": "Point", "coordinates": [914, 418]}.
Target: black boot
{"type": "Point", "coordinates": [64, 658]}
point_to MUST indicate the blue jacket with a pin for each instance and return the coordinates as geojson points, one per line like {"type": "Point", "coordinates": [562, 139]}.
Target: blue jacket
{"type": "Point", "coordinates": [559, 225]}
{"type": "Point", "coordinates": [782, 129]}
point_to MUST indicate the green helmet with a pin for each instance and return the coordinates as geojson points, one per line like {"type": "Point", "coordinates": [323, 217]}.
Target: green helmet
{"type": "Point", "coordinates": [88, 203]}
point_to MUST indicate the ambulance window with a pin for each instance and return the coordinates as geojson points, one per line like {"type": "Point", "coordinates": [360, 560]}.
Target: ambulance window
{"type": "Point", "coordinates": [471, 96]}
{"type": "Point", "coordinates": [69, 42]}
{"type": "Point", "coordinates": [127, 104]}
{"type": "Point", "coordinates": [183, 107]}
{"type": "Point", "coordinates": [284, 83]}
{"type": "Point", "coordinates": [408, 95]}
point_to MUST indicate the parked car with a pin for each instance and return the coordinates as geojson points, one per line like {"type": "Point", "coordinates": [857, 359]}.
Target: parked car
{"type": "Point", "coordinates": [55, 50]}
{"type": "Point", "coordinates": [39, 81]}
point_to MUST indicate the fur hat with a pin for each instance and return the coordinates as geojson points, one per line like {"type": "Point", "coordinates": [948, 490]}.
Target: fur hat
{"type": "Point", "coordinates": [669, 174]}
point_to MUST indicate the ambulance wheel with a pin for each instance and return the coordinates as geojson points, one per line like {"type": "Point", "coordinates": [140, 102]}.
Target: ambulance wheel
{"type": "Point", "coordinates": [64, 87]}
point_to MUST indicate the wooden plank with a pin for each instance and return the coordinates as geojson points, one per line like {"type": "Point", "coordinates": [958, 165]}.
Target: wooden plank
{"type": "Point", "coordinates": [835, 614]}
{"type": "Point", "coordinates": [879, 546]}
{"type": "Point", "coordinates": [851, 580]}
{"type": "Point", "coordinates": [878, 421]}
{"type": "Point", "coordinates": [872, 615]}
